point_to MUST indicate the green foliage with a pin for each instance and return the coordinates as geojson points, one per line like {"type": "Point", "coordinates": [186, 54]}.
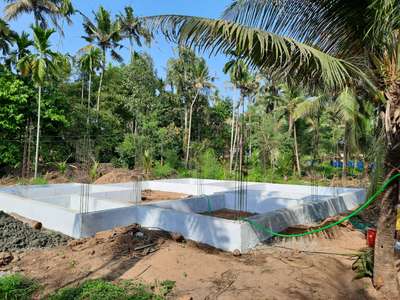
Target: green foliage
{"type": "Point", "coordinates": [162, 170]}
{"type": "Point", "coordinates": [124, 290]}
{"type": "Point", "coordinates": [62, 167]}
{"type": "Point", "coordinates": [17, 287]}
{"type": "Point", "coordinates": [363, 265]}
{"type": "Point", "coordinates": [130, 150]}
{"type": "Point", "coordinates": [15, 95]}
{"type": "Point", "coordinates": [94, 171]}
{"type": "Point", "coordinates": [147, 161]}
{"type": "Point", "coordinates": [34, 181]}
{"type": "Point", "coordinates": [209, 166]}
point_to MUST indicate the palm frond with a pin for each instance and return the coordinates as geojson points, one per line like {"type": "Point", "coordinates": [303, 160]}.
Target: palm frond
{"type": "Point", "coordinates": [341, 22]}
{"type": "Point", "coordinates": [308, 108]}
{"type": "Point", "coordinates": [282, 57]}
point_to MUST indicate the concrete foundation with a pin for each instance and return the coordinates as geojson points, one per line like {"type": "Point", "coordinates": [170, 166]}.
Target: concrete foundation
{"type": "Point", "coordinates": [59, 207]}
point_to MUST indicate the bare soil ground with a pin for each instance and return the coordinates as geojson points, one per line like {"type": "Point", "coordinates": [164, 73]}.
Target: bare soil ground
{"type": "Point", "coordinates": [269, 272]}
{"type": "Point", "coordinates": [152, 195]}
{"type": "Point", "coordinates": [228, 214]}
{"type": "Point", "coordinates": [117, 176]}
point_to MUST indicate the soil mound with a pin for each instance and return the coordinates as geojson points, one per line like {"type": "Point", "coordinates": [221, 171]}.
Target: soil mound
{"type": "Point", "coordinates": [118, 176]}
{"type": "Point", "coordinates": [16, 235]}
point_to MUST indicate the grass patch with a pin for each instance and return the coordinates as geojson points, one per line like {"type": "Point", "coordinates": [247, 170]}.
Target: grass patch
{"type": "Point", "coordinates": [17, 287]}
{"type": "Point", "coordinates": [125, 290]}
{"type": "Point", "coordinates": [33, 181]}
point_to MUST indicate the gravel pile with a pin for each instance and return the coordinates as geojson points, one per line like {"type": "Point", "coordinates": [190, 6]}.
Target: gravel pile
{"type": "Point", "coordinates": [16, 235]}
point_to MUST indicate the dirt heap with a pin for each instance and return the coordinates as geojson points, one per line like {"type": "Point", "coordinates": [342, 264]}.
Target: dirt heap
{"type": "Point", "coordinates": [117, 176]}
{"type": "Point", "coordinates": [16, 235]}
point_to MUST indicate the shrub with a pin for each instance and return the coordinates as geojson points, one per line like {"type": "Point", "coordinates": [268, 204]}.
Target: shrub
{"type": "Point", "coordinates": [93, 172]}
{"type": "Point", "coordinates": [131, 151]}
{"type": "Point", "coordinates": [162, 170]}
{"type": "Point", "coordinates": [209, 167]}
{"type": "Point", "coordinates": [172, 158]}
{"type": "Point", "coordinates": [17, 287]}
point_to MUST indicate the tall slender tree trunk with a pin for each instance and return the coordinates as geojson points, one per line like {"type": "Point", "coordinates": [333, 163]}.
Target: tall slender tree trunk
{"type": "Point", "coordinates": [101, 80]}
{"type": "Point", "coordinates": [190, 128]}
{"type": "Point", "coordinates": [99, 91]}
{"type": "Point", "coordinates": [231, 153]}
{"type": "Point", "coordinates": [185, 129]}
{"type": "Point", "coordinates": [385, 273]}
{"type": "Point", "coordinates": [89, 101]}
{"type": "Point", "coordinates": [345, 152]}
{"type": "Point", "coordinates": [28, 163]}
{"type": "Point", "coordinates": [237, 131]}
{"type": "Point", "coordinates": [38, 132]}
{"type": "Point", "coordinates": [25, 151]}
{"type": "Point", "coordinates": [82, 90]}
{"type": "Point", "coordinates": [296, 150]}
{"type": "Point", "coordinates": [89, 98]}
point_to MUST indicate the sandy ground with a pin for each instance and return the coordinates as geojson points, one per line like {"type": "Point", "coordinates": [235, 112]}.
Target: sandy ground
{"type": "Point", "coordinates": [152, 195]}
{"type": "Point", "coordinates": [228, 214]}
{"type": "Point", "coordinates": [269, 272]}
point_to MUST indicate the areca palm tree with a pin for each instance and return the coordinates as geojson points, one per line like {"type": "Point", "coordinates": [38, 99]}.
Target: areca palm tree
{"type": "Point", "coordinates": [242, 79]}
{"type": "Point", "coordinates": [318, 44]}
{"type": "Point", "coordinates": [292, 99]}
{"type": "Point", "coordinates": [202, 83]}
{"type": "Point", "coordinates": [105, 33]}
{"type": "Point", "coordinates": [40, 65]}
{"type": "Point", "coordinates": [90, 61]}
{"type": "Point", "coordinates": [22, 44]}
{"type": "Point", "coordinates": [133, 29]}
{"type": "Point", "coordinates": [55, 10]}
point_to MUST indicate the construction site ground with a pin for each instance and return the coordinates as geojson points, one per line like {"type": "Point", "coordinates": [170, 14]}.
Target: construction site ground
{"type": "Point", "coordinates": [307, 268]}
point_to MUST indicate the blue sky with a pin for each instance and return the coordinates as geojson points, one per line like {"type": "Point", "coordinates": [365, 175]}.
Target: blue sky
{"type": "Point", "coordinates": [161, 50]}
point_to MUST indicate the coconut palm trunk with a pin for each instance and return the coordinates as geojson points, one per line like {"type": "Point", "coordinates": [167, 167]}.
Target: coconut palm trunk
{"type": "Point", "coordinates": [103, 70]}
{"type": "Point", "coordinates": [384, 264]}
{"type": "Point", "coordinates": [38, 132]}
{"type": "Point", "coordinates": [99, 91]}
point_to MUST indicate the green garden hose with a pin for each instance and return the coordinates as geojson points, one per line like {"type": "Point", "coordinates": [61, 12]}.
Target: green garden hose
{"type": "Point", "coordinates": [264, 229]}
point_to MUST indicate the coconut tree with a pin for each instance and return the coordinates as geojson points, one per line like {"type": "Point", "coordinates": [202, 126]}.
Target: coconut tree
{"type": "Point", "coordinates": [319, 44]}
{"type": "Point", "coordinates": [7, 37]}
{"type": "Point", "coordinates": [133, 29]}
{"type": "Point", "coordinates": [40, 65]}
{"type": "Point", "coordinates": [105, 33]}
{"type": "Point", "coordinates": [349, 115]}
{"type": "Point", "coordinates": [42, 10]}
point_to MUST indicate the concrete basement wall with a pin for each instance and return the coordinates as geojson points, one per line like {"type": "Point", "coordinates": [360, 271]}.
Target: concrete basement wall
{"type": "Point", "coordinates": [219, 233]}
{"type": "Point", "coordinates": [197, 204]}
{"type": "Point", "coordinates": [304, 214]}
{"type": "Point", "coordinates": [280, 206]}
{"type": "Point", "coordinates": [51, 216]}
